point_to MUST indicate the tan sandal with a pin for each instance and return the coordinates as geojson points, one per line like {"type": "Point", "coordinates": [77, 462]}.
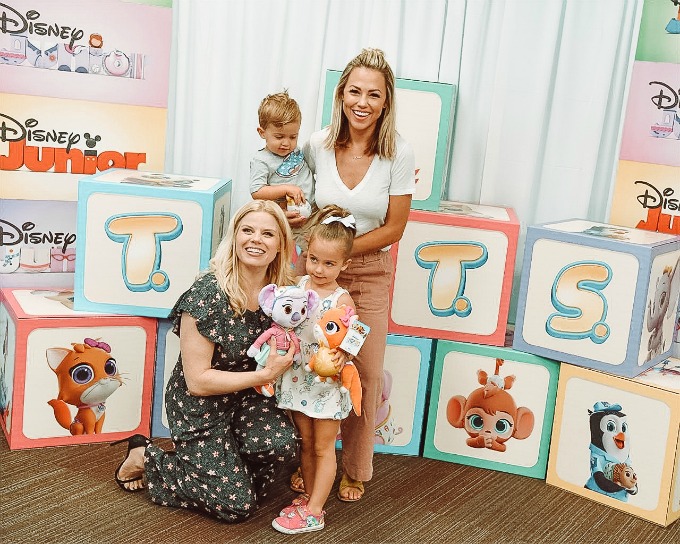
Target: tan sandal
{"type": "Point", "coordinates": [297, 484]}
{"type": "Point", "coordinates": [348, 483]}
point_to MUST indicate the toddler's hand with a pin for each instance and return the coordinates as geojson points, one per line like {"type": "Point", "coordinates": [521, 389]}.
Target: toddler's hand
{"type": "Point", "coordinates": [296, 194]}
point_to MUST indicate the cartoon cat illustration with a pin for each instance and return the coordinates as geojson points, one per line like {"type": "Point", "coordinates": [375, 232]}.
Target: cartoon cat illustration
{"type": "Point", "coordinates": [87, 376]}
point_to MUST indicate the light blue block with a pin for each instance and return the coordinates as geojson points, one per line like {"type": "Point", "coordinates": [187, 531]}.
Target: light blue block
{"type": "Point", "coordinates": [143, 237]}
{"type": "Point", "coordinates": [167, 353]}
{"type": "Point", "coordinates": [458, 412]}
{"type": "Point", "coordinates": [598, 296]}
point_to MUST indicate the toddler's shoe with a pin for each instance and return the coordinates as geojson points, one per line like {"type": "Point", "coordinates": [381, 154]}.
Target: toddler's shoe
{"type": "Point", "coordinates": [299, 520]}
{"type": "Point", "coordinates": [302, 500]}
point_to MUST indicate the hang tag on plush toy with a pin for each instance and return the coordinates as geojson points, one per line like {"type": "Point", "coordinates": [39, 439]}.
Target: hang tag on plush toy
{"type": "Point", "coordinates": [355, 337]}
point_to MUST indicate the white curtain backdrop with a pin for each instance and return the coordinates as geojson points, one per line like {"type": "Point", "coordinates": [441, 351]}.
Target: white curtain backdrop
{"type": "Point", "coordinates": [541, 87]}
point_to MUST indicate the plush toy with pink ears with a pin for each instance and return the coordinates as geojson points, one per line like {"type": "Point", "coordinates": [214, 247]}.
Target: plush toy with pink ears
{"type": "Point", "coordinates": [288, 307]}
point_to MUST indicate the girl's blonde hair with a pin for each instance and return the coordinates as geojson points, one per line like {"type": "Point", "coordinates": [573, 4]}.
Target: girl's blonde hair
{"type": "Point", "coordinates": [225, 266]}
{"type": "Point", "coordinates": [335, 231]}
{"type": "Point", "coordinates": [384, 140]}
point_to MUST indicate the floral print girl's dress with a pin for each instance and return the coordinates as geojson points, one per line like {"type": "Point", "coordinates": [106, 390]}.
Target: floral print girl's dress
{"type": "Point", "coordinates": [227, 447]}
{"type": "Point", "coordinates": [297, 390]}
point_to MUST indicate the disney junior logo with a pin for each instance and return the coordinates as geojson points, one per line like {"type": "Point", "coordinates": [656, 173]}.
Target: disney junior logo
{"type": "Point", "coordinates": [651, 197]}
{"type": "Point", "coordinates": [63, 159]}
{"type": "Point", "coordinates": [13, 22]}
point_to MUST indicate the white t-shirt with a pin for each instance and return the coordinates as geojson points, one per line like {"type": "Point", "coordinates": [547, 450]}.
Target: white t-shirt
{"type": "Point", "coordinates": [369, 199]}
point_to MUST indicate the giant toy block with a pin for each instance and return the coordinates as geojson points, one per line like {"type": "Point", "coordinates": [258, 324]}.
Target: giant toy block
{"type": "Point", "coordinates": [425, 119]}
{"type": "Point", "coordinates": [167, 353]}
{"type": "Point", "coordinates": [453, 273]}
{"type": "Point", "coordinates": [598, 296]}
{"type": "Point", "coordinates": [399, 420]}
{"type": "Point", "coordinates": [143, 237]}
{"type": "Point", "coordinates": [491, 407]}
{"type": "Point", "coordinates": [616, 440]}
{"type": "Point", "coordinates": [69, 377]}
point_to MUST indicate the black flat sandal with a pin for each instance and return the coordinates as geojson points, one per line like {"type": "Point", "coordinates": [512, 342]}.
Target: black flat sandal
{"type": "Point", "coordinates": [135, 441]}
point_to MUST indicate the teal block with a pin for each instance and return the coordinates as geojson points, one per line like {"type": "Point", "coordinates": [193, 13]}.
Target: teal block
{"type": "Point", "coordinates": [516, 417]}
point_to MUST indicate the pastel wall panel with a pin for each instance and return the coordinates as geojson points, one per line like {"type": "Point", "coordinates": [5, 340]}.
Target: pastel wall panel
{"type": "Point", "coordinates": [659, 37]}
{"type": "Point", "coordinates": [37, 240]}
{"type": "Point", "coordinates": [599, 296]}
{"type": "Point", "coordinates": [112, 51]}
{"type": "Point", "coordinates": [647, 196]}
{"type": "Point", "coordinates": [46, 147]}
{"type": "Point", "coordinates": [144, 237]}
{"type": "Point", "coordinates": [651, 131]}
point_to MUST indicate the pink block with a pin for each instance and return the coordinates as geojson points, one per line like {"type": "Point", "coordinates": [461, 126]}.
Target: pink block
{"type": "Point", "coordinates": [70, 377]}
{"type": "Point", "coordinates": [453, 273]}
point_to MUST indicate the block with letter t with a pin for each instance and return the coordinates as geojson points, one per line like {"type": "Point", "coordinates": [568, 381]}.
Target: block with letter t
{"type": "Point", "coordinates": [453, 273]}
{"type": "Point", "coordinates": [143, 237]}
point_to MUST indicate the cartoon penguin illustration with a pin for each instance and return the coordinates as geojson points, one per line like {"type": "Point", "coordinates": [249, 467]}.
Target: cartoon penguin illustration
{"type": "Point", "coordinates": [610, 468]}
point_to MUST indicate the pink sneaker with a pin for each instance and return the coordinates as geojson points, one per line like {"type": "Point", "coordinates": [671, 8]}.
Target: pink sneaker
{"type": "Point", "coordinates": [302, 500]}
{"type": "Point", "coordinates": [299, 520]}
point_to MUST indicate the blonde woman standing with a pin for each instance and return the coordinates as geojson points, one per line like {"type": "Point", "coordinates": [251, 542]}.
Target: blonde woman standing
{"type": "Point", "coordinates": [362, 164]}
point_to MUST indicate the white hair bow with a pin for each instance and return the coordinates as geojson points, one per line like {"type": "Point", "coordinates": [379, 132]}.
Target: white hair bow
{"type": "Point", "coordinates": [348, 221]}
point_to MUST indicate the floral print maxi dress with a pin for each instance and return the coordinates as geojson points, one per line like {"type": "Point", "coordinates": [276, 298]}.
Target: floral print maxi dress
{"type": "Point", "coordinates": [227, 447]}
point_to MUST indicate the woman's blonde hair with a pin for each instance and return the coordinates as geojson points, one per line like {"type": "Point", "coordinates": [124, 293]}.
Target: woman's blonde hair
{"type": "Point", "coordinates": [334, 231]}
{"type": "Point", "coordinates": [225, 266]}
{"type": "Point", "coordinates": [384, 141]}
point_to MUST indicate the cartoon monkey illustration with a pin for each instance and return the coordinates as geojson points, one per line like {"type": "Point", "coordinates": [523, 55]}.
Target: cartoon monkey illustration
{"type": "Point", "coordinates": [489, 415]}
{"type": "Point", "coordinates": [610, 470]}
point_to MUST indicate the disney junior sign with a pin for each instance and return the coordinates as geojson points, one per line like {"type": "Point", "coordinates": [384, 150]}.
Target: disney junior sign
{"type": "Point", "coordinates": [662, 206]}
{"type": "Point", "coordinates": [49, 149]}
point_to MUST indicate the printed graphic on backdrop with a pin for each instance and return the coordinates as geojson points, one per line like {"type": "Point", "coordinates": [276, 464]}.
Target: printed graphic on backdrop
{"type": "Point", "coordinates": [651, 131]}
{"type": "Point", "coordinates": [112, 51]}
{"type": "Point", "coordinates": [425, 120]}
{"type": "Point", "coordinates": [647, 196]}
{"type": "Point", "coordinates": [659, 38]}
{"type": "Point", "coordinates": [40, 136]}
{"type": "Point", "coordinates": [37, 236]}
